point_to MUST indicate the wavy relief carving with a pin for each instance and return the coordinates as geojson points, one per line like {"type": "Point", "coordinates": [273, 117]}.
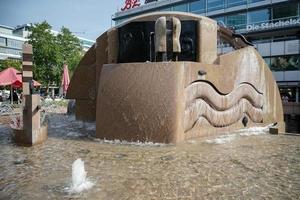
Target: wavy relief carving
{"type": "Point", "coordinates": [204, 101]}
{"type": "Point", "coordinates": [203, 90]}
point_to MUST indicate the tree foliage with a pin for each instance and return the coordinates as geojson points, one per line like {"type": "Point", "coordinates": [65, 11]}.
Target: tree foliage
{"type": "Point", "coordinates": [10, 63]}
{"type": "Point", "coordinates": [51, 51]}
{"type": "Point", "coordinates": [69, 48]}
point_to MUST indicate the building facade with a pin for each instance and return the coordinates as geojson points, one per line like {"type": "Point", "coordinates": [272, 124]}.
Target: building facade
{"type": "Point", "coordinates": [273, 26]}
{"type": "Point", "coordinates": [12, 39]}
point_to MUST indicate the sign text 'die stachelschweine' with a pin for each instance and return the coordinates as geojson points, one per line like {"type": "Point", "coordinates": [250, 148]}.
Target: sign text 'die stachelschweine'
{"type": "Point", "coordinates": [269, 25]}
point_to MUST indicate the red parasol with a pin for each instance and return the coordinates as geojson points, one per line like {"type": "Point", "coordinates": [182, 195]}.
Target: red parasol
{"type": "Point", "coordinates": [13, 77]}
{"type": "Point", "coordinates": [65, 79]}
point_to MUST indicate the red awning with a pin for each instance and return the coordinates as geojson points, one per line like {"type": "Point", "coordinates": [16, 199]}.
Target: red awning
{"type": "Point", "coordinates": [11, 76]}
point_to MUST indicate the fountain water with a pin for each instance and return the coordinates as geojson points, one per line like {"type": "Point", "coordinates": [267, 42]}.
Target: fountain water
{"type": "Point", "coordinates": [79, 180]}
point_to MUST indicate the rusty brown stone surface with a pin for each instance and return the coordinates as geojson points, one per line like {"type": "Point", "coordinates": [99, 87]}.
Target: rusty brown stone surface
{"type": "Point", "coordinates": [163, 101]}
{"type": "Point", "coordinates": [152, 105]}
{"type": "Point", "coordinates": [82, 85]}
{"type": "Point", "coordinates": [112, 45]}
{"type": "Point", "coordinates": [207, 44]}
{"type": "Point", "coordinates": [32, 133]}
{"type": "Point", "coordinates": [140, 101]}
{"type": "Point", "coordinates": [27, 68]}
{"type": "Point", "coordinates": [37, 137]}
{"type": "Point", "coordinates": [85, 110]}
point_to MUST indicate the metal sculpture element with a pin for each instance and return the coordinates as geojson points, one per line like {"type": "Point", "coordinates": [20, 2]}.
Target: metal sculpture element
{"type": "Point", "coordinates": [158, 77]}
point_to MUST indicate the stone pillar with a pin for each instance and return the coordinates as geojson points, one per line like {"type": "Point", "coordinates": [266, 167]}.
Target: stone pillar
{"type": "Point", "coordinates": [32, 132]}
{"type": "Point", "coordinates": [27, 68]}
{"type": "Point", "coordinates": [31, 120]}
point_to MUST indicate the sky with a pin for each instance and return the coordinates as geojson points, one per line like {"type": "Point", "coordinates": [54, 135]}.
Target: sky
{"type": "Point", "coordinates": [85, 18]}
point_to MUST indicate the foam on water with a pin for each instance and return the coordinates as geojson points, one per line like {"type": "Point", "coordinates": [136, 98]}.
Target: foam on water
{"type": "Point", "coordinates": [242, 132]}
{"type": "Point", "coordinates": [222, 139]}
{"type": "Point", "coordinates": [124, 142]}
{"type": "Point", "coordinates": [74, 134]}
{"type": "Point", "coordinates": [79, 180]}
{"type": "Point", "coordinates": [254, 130]}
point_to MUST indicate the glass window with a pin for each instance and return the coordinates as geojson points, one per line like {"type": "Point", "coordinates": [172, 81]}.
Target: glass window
{"type": "Point", "coordinates": [285, 63]}
{"type": "Point", "coordinates": [288, 94]}
{"type": "Point", "coordinates": [10, 51]}
{"type": "Point", "coordinates": [231, 3]}
{"type": "Point", "coordinates": [268, 61]}
{"type": "Point", "coordinates": [284, 38]}
{"type": "Point", "coordinates": [254, 1]}
{"type": "Point", "coordinates": [285, 11]}
{"type": "Point", "coordinates": [259, 16]}
{"type": "Point", "coordinates": [258, 40]}
{"type": "Point", "coordinates": [237, 21]}
{"type": "Point", "coordinates": [198, 6]}
{"type": "Point", "coordinates": [14, 43]}
{"type": "Point", "coordinates": [215, 5]}
{"type": "Point", "coordinates": [2, 50]}
{"type": "Point", "coordinates": [219, 19]}
{"type": "Point", "coordinates": [181, 8]}
{"type": "Point", "coordinates": [2, 41]}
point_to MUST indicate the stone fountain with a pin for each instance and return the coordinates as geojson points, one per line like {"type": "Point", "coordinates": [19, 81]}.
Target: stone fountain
{"type": "Point", "coordinates": [158, 77]}
{"type": "Point", "coordinates": [32, 132]}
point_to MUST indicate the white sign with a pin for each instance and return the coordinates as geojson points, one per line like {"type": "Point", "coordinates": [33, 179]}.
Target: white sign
{"type": "Point", "coordinates": [267, 25]}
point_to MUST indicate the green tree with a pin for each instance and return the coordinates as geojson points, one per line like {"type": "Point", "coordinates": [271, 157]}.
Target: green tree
{"type": "Point", "coordinates": [10, 63]}
{"type": "Point", "coordinates": [70, 50]}
{"type": "Point", "coordinates": [45, 53]}
{"type": "Point", "coordinates": [51, 52]}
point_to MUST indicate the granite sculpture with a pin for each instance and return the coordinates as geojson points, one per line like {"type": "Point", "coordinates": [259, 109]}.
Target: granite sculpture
{"type": "Point", "coordinates": [158, 77]}
{"type": "Point", "coordinates": [33, 131]}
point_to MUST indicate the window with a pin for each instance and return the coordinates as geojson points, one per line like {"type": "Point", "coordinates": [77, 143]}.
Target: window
{"type": "Point", "coordinates": [215, 5]}
{"type": "Point", "coordinates": [198, 6]}
{"type": "Point", "coordinates": [285, 38]}
{"type": "Point", "coordinates": [180, 7]}
{"type": "Point", "coordinates": [237, 21]}
{"type": "Point", "coordinates": [2, 41]}
{"type": "Point", "coordinates": [285, 11]}
{"type": "Point", "coordinates": [268, 61]}
{"type": "Point", "coordinates": [289, 93]}
{"type": "Point", "coordinates": [219, 19]}
{"type": "Point", "coordinates": [285, 63]}
{"type": "Point", "coordinates": [259, 16]}
{"type": "Point", "coordinates": [231, 3]}
{"type": "Point", "coordinates": [2, 50]}
{"type": "Point", "coordinates": [10, 51]}
{"type": "Point", "coordinates": [254, 1]}
{"type": "Point", "coordinates": [14, 43]}
{"type": "Point", "coordinates": [258, 40]}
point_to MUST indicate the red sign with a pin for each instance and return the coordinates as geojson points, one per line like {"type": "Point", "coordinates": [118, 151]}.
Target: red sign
{"type": "Point", "coordinates": [131, 4]}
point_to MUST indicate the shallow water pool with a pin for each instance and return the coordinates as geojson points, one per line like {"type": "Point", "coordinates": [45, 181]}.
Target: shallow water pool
{"type": "Point", "coordinates": [246, 166]}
